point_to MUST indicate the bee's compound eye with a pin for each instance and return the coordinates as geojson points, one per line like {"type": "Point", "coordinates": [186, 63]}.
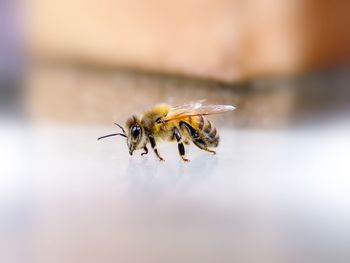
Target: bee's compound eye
{"type": "Point", "coordinates": [135, 131]}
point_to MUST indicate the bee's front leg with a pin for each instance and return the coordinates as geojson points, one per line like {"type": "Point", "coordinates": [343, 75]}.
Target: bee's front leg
{"type": "Point", "coordinates": [145, 151]}
{"type": "Point", "coordinates": [154, 146]}
{"type": "Point", "coordinates": [181, 146]}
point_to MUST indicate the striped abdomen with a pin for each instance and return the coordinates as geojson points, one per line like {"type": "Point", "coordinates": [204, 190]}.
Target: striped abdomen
{"type": "Point", "coordinates": [206, 131]}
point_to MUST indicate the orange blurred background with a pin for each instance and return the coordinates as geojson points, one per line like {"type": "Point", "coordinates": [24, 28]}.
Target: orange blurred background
{"type": "Point", "coordinates": [224, 40]}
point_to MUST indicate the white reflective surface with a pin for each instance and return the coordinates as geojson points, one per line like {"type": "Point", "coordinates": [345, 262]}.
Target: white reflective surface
{"type": "Point", "coordinates": [267, 196]}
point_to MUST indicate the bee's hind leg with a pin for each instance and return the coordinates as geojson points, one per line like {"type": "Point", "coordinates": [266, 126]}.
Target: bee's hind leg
{"type": "Point", "coordinates": [154, 147]}
{"type": "Point", "coordinates": [195, 137]}
{"type": "Point", "coordinates": [145, 151]}
{"type": "Point", "coordinates": [203, 147]}
{"type": "Point", "coordinates": [181, 146]}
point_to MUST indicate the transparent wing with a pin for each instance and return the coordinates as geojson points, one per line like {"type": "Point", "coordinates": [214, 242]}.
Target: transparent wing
{"type": "Point", "coordinates": [196, 108]}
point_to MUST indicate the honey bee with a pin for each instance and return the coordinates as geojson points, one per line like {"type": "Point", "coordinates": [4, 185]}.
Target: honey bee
{"type": "Point", "coordinates": [182, 124]}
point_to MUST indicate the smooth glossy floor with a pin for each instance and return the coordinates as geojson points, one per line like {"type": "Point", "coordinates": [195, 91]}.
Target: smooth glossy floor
{"type": "Point", "coordinates": [267, 196]}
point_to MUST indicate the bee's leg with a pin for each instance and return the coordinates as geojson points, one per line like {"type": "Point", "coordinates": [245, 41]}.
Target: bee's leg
{"type": "Point", "coordinates": [154, 146]}
{"type": "Point", "coordinates": [145, 151]}
{"type": "Point", "coordinates": [181, 147]}
{"type": "Point", "coordinates": [196, 138]}
{"type": "Point", "coordinates": [203, 147]}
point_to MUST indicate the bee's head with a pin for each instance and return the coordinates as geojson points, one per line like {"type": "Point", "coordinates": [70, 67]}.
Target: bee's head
{"type": "Point", "coordinates": [135, 134]}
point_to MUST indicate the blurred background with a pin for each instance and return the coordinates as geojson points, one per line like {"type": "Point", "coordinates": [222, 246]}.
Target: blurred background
{"type": "Point", "coordinates": [278, 189]}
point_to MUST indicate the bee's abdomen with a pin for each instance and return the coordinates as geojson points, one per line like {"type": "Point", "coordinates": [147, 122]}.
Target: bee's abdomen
{"type": "Point", "coordinates": [207, 131]}
{"type": "Point", "coordinates": [210, 133]}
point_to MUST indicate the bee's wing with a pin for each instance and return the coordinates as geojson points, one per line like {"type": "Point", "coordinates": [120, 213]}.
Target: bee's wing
{"type": "Point", "coordinates": [196, 108]}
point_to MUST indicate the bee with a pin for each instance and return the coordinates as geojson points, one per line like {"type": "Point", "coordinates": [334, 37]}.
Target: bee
{"type": "Point", "coordinates": [183, 124]}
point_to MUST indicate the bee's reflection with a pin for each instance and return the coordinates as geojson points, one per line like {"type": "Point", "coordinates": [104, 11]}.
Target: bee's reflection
{"type": "Point", "coordinates": [151, 178]}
